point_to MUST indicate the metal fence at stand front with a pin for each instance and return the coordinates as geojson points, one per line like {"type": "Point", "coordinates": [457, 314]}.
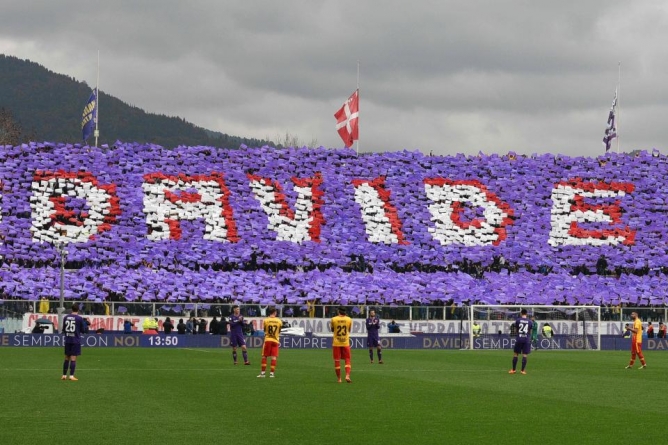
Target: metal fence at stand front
{"type": "Point", "coordinates": [16, 308]}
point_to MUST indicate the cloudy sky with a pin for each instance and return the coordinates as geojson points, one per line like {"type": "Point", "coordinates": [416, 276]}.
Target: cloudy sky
{"type": "Point", "coordinates": [443, 76]}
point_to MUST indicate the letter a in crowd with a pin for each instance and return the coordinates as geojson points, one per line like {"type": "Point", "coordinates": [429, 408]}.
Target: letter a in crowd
{"type": "Point", "coordinates": [60, 216]}
{"type": "Point", "coordinates": [451, 200]}
{"type": "Point", "coordinates": [299, 225]}
{"type": "Point", "coordinates": [171, 199]}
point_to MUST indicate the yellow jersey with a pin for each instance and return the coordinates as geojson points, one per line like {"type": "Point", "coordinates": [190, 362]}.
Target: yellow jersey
{"type": "Point", "coordinates": [637, 325]}
{"type": "Point", "coordinates": [272, 329]}
{"type": "Point", "coordinates": [341, 326]}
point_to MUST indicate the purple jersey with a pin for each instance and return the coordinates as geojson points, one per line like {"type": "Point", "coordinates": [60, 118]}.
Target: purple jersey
{"type": "Point", "coordinates": [73, 327]}
{"type": "Point", "coordinates": [236, 324]}
{"type": "Point", "coordinates": [372, 327]}
{"type": "Point", "coordinates": [237, 330]}
{"type": "Point", "coordinates": [523, 327]}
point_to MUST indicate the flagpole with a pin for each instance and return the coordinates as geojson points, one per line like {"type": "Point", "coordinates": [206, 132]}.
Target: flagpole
{"type": "Point", "coordinates": [97, 99]}
{"type": "Point", "coordinates": [357, 150]}
{"type": "Point", "coordinates": [619, 109]}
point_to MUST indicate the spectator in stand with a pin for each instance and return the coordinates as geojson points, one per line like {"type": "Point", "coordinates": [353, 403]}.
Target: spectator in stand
{"type": "Point", "coordinates": [190, 326]}
{"type": "Point", "coordinates": [662, 330]}
{"type": "Point", "coordinates": [393, 327]}
{"type": "Point", "coordinates": [127, 326]}
{"type": "Point", "coordinates": [202, 326]}
{"type": "Point", "coordinates": [222, 326]}
{"type": "Point", "coordinates": [167, 326]}
{"type": "Point", "coordinates": [43, 305]}
{"type": "Point", "coordinates": [627, 332]}
{"type": "Point", "coordinates": [650, 330]}
{"type": "Point", "coordinates": [181, 327]}
{"type": "Point", "coordinates": [213, 326]}
{"type": "Point", "coordinates": [602, 265]}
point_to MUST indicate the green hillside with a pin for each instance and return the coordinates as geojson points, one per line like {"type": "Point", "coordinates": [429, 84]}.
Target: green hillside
{"type": "Point", "coordinates": [49, 106]}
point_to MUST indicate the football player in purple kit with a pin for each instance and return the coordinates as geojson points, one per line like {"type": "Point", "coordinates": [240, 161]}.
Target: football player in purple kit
{"type": "Point", "coordinates": [523, 328]}
{"type": "Point", "coordinates": [372, 338]}
{"type": "Point", "coordinates": [73, 327]}
{"type": "Point", "coordinates": [236, 322]}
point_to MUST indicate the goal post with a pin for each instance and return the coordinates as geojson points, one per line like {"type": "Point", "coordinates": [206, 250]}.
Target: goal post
{"type": "Point", "coordinates": [572, 327]}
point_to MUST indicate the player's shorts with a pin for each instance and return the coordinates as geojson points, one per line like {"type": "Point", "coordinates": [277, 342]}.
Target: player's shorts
{"type": "Point", "coordinates": [372, 342]}
{"type": "Point", "coordinates": [636, 347]}
{"type": "Point", "coordinates": [72, 349]}
{"type": "Point", "coordinates": [237, 340]}
{"type": "Point", "coordinates": [341, 352]}
{"type": "Point", "coordinates": [522, 347]}
{"type": "Point", "coordinates": [270, 349]}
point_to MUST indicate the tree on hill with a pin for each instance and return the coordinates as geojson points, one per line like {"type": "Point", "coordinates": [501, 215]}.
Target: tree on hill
{"type": "Point", "coordinates": [11, 132]}
{"type": "Point", "coordinates": [51, 104]}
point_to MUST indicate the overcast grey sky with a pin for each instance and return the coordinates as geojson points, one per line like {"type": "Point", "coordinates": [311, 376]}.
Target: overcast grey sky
{"type": "Point", "coordinates": [444, 76]}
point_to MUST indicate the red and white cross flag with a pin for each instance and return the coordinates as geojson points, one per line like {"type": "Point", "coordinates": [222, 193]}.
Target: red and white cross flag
{"type": "Point", "coordinates": [347, 122]}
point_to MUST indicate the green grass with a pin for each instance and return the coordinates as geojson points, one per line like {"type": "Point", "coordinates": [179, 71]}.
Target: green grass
{"type": "Point", "coordinates": [146, 396]}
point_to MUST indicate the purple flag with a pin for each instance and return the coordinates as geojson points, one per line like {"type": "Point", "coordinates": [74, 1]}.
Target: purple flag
{"type": "Point", "coordinates": [611, 129]}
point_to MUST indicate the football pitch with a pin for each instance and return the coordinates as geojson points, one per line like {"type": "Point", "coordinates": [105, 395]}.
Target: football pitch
{"type": "Point", "coordinates": [146, 396]}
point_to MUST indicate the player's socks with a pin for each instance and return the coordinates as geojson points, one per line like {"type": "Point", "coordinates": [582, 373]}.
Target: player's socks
{"type": "Point", "coordinates": [371, 354]}
{"type": "Point", "coordinates": [337, 369]}
{"type": "Point", "coordinates": [73, 366]}
{"type": "Point", "coordinates": [524, 363]}
{"type": "Point", "coordinates": [380, 356]}
{"type": "Point", "coordinates": [273, 367]}
{"type": "Point", "coordinates": [66, 365]}
{"type": "Point", "coordinates": [264, 364]}
{"type": "Point", "coordinates": [234, 356]}
{"type": "Point", "coordinates": [245, 354]}
{"type": "Point", "coordinates": [514, 363]}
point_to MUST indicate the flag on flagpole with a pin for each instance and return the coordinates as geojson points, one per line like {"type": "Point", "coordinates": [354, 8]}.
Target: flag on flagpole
{"type": "Point", "coordinates": [89, 117]}
{"type": "Point", "coordinates": [347, 120]}
{"type": "Point", "coordinates": [611, 129]}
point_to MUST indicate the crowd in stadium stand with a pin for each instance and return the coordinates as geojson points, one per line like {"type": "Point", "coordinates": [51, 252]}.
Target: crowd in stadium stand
{"type": "Point", "coordinates": [141, 223]}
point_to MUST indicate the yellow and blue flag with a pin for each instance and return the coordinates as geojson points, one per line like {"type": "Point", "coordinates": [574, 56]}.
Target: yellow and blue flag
{"type": "Point", "coordinates": [89, 117]}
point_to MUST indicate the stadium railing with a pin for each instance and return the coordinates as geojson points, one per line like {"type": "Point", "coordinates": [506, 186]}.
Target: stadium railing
{"type": "Point", "coordinates": [16, 308]}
